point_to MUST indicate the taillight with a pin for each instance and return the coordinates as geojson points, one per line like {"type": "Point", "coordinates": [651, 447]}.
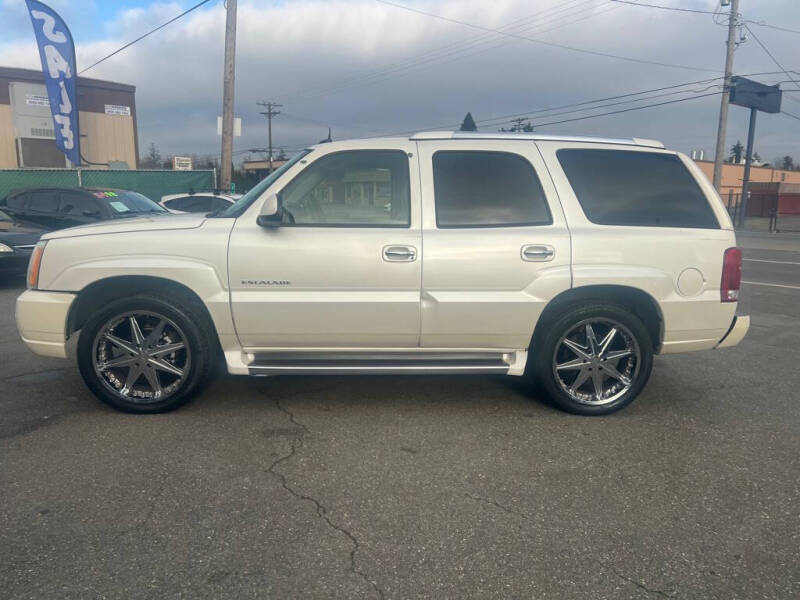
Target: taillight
{"type": "Point", "coordinates": [731, 275]}
{"type": "Point", "coordinates": [34, 265]}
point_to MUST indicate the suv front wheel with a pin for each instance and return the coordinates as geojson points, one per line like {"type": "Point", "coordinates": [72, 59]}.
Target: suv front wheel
{"type": "Point", "coordinates": [145, 354]}
{"type": "Point", "coordinates": [594, 359]}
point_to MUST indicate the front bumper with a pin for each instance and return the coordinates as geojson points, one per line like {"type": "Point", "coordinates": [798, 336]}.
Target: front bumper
{"type": "Point", "coordinates": [42, 321]}
{"type": "Point", "coordinates": [739, 327]}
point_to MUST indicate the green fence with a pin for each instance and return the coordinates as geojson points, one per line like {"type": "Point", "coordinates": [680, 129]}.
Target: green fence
{"type": "Point", "coordinates": [152, 183]}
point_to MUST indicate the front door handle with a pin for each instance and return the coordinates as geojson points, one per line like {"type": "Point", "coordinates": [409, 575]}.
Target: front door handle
{"type": "Point", "coordinates": [537, 253]}
{"type": "Point", "coordinates": [399, 253]}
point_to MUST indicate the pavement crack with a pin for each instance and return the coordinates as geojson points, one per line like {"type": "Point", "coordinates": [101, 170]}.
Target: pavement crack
{"type": "Point", "coordinates": [638, 584]}
{"type": "Point", "coordinates": [151, 508]}
{"type": "Point", "coordinates": [322, 511]}
{"type": "Point", "coordinates": [502, 507]}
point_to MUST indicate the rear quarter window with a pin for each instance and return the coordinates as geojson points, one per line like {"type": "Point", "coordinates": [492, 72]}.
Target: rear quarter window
{"type": "Point", "coordinates": [645, 189]}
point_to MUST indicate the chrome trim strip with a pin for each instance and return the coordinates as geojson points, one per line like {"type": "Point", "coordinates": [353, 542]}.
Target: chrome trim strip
{"type": "Point", "coordinates": [375, 369]}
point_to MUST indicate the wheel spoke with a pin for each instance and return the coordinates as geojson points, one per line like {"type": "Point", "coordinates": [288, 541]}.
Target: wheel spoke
{"type": "Point", "coordinates": [153, 380]}
{"type": "Point", "coordinates": [120, 343]}
{"type": "Point", "coordinates": [163, 365]}
{"type": "Point", "coordinates": [120, 361]}
{"type": "Point", "coordinates": [578, 363]}
{"type": "Point", "coordinates": [583, 375]}
{"type": "Point", "coordinates": [597, 380]}
{"type": "Point", "coordinates": [606, 342]}
{"type": "Point", "coordinates": [612, 371]}
{"type": "Point", "coordinates": [155, 335]}
{"type": "Point", "coordinates": [591, 340]}
{"type": "Point", "coordinates": [133, 375]}
{"type": "Point", "coordinates": [136, 332]}
{"type": "Point", "coordinates": [166, 349]}
{"type": "Point", "coordinates": [617, 355]}
{"type": "Point", "coordinates": [576, 348]}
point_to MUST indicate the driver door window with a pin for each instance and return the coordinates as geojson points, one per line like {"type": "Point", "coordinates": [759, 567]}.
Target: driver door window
{"type": "Point", "coordinates": [360, 188]}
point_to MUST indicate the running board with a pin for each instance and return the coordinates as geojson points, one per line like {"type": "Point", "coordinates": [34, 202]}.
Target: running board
{"type": "Point", "coordinates": [377, 364]}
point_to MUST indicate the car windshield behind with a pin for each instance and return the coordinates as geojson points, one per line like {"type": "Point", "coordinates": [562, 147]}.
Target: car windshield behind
{"type": "Point", "coordinates": [236, 209]}
{"type": "Point", "coordinates": [126, 203]}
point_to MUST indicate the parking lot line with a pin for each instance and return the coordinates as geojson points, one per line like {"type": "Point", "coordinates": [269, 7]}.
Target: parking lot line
{"type": "Point", "coordinates": [775, 262]}
{"type": "Point", "coordinates": [791, 287]}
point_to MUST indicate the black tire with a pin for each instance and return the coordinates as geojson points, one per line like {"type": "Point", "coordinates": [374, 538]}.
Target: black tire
{"type": "Point", "coordinates": [555, 382]}
{"type": "Point", "coordinates": [185, 317]}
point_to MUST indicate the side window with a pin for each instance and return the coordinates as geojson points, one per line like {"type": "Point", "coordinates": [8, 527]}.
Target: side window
{"type": "Point", "coordinates": [646, 189]}
{"type": "Point", "coordinates": [219, 204]}
{"type": "Point", "coordinates": [16, 202]}
{"type": "Point", "coordinates": [487, 189]}
{"type": "Point", "coordinates": [191, 204]}
{"type": "Point", "coordinates": [77, 204]}
{"type": "Point", "coordinates": [358, 188]}
{"type": "Point", "coordinates": [43, 201]}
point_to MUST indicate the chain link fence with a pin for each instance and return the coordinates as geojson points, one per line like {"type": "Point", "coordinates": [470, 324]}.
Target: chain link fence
{"type": "Point", "coordinates": [151, 183]}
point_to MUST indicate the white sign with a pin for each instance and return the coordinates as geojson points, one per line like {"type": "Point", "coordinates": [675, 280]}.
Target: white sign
{"type": "Point", "coordinates": [181, 163]}
{"type": "Point", "coordinates": [35, 100]}
{"type": "Point", "coordinates": [237, 127]}
{"type": "Point", "coordinates": [117, 109]}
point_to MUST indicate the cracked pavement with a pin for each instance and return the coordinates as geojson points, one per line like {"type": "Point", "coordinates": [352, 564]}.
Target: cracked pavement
{"type": "Point", "coordinates": [426, 487]}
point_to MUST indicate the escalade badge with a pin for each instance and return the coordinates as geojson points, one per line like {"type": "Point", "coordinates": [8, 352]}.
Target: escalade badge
{"type": "Point", "coordinates": [265, 282]}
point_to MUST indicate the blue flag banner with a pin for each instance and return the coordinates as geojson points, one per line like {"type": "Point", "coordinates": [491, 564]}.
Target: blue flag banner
{"type": "Point", "coordinates": [57, 51]}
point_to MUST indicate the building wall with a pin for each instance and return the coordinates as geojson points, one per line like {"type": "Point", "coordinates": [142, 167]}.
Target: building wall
{"type": "Point", "coordinates": [732, 176]}
{"type": "Point", "coordinates": [108, 137]}
{"type": "Point", "coordinates": [8, 151]}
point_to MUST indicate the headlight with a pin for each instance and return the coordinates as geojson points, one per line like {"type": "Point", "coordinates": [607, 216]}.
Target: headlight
{"type": "Point", "coordinates": [35, 264]}
{"type": "Point", "coordinates": [5, 249]}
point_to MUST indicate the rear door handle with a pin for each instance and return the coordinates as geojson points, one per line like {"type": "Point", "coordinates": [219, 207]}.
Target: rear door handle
{"type": "Point", "coordinates": [537, 253]}
{"type": "Point", "coordinates": [399, 253]}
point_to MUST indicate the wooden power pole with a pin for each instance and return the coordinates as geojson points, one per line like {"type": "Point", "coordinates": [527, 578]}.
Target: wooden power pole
{"type": "Point", "coordinates": [269, 113]}
{"type": "Point", "coordinates": [733, 20]}
{"type": "Point", "coordinates": [226, 161]}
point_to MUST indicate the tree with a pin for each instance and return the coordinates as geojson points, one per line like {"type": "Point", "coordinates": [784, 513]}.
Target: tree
{"type": "Point", "coordinates": [468, 124]}
{"type": "Point", "coordinates": [519, 124]}
{"type": "Point", "coordinates": [153, 158]}
{"type": "Point", "coordinates": [787, 163]}
{"type": "Point", "coordinates": [737, 151]}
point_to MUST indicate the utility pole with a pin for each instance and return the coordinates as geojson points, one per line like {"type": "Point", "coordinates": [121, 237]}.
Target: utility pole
{"type": "Point", "coordinates": [733, 19]}
{"type": "Point", "coordinates": [226, 161]}
{"type": "Point", "coordinates": [269, 113]}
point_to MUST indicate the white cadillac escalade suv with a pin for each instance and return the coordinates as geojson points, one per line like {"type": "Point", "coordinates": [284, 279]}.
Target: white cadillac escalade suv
{"type": "Point", "coordinates": [570, 261]}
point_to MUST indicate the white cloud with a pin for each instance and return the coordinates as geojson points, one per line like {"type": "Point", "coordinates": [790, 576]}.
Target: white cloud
{"type": "Point", "coordinates": [335, 48]}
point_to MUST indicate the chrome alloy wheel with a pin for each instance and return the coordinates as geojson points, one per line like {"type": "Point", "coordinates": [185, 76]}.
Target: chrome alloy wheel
{"type": "Point", "coordinates": [596, 361]}
{"type": "Point", "coordinates": [141, 356]}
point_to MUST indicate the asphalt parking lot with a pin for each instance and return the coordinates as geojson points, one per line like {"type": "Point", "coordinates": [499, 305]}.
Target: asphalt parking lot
{"type": "Point", "coordinates": [427, 487]}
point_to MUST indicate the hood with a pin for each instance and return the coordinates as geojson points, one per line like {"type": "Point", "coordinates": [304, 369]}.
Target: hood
{"type": "Point", "coordinates": [125, 225]}
{"type": "Point", "coordinates": [20, 237]}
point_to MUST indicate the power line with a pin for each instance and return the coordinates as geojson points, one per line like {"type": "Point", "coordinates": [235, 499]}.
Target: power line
{"type": "Point", "coordinates": [788, 114]}
{"type": "Point", "coordinates": [772, 56]}
{"type": "Point", "coordinates": [141, 37]}
{"type": "Point", "coordinates": [777, 27]}
{"type": "Point", "coordinates": [552, 44]}
{"type": "Point", "coordinates": [674, 8]}
{"type": "Point", "coordinates": [456, 49]}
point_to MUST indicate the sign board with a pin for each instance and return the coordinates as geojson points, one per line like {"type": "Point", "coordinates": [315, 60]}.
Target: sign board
{"type": "Point", "coordinates": [37, 100]}
{"type": "Point", "coordinates": [751, 94]}
{"type": "Point", "coordinates": [30, 108]}
{"type": "Point", "coordinates": [117, 109]}
{"type": "Point", "coordinates": [181, 163]}
{"type": "Point", "coordinates": [237, 127]}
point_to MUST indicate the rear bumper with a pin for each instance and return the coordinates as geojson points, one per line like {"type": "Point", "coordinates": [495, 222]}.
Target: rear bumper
{"type": "Point", "coordinates": [42, 321]}
{"type": "Point", "coordinates": [739, 327]}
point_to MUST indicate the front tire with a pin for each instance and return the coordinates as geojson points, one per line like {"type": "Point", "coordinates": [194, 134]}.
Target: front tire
{"type": "Point", "coordinates": [594, 359]}
{"type": "Point", "coordinates": [148, 353]}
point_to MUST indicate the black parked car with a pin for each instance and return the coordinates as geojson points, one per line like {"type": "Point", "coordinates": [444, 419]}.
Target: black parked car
{"type": "Point", "coordinates": [17, 239]}
{"type": "Point", "coordinates": [57, 208]}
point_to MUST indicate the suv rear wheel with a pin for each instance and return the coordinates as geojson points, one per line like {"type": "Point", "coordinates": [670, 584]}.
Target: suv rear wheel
{"type": "Point", "coordinates": [145, 354]}
{"type": "Point", "coordinates": [594, 359]}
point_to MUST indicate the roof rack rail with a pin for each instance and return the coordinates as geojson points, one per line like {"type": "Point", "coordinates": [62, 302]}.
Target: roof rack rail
{"type": "Point", "coordinates": [500, 135]}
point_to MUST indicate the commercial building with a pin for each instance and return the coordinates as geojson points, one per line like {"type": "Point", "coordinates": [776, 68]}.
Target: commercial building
{"type": "Point", "coordinates": [107, 115]}
{"type": "Point", "coordinates": [733, 175]}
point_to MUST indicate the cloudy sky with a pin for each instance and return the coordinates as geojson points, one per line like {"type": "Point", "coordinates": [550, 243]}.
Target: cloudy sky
{"type": "Point", "coordinates": [365, 67]}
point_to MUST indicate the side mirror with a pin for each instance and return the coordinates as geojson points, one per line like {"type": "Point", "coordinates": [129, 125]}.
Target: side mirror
{"type": "Point", "coordinates": [270, 215]}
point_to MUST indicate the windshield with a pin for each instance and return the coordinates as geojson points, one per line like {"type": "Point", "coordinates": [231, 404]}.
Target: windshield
{"type": "Point", "coordinates": [236, 209]}
{"type": "Point", "coordinates": [127, 203]}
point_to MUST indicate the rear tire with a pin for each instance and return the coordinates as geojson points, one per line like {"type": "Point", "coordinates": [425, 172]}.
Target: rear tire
{"type": "Point", "coordinates": [593, 359]}
{"type": "Point", "coordinates": [148, 353]}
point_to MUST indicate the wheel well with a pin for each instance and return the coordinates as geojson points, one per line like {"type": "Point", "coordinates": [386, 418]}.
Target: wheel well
{"type": "Point", "coordinates": [99, 293]}
{"type": "Point", "coordinates": [642, 304]}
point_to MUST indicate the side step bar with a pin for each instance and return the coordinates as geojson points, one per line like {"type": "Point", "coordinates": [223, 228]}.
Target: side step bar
{"type": "Point", "coordinates": [376, 364]}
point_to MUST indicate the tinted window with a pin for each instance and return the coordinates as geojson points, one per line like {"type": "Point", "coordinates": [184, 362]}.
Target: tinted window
{"type": "Point", "coordinates": [124, 203]}
{"type": "Point", "coordinates": [619, 187]}
{"type": "Point", "coordinates": [487, 189]}
{"type": "Point", "coordinates": [43, 201]}
{"type": "Point", "coordinates": [17, 201]}
{"type": "Point", "coordinates": [192, 204]}
{"type": "Point", "coordinates": [367, 188]}
{"type": "Point", "coordinates": [76, 204]}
